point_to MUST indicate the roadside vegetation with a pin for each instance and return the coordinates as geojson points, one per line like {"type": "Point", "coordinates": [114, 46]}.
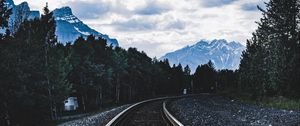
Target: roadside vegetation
{"type": "Point", "coordinates": [275, 102]}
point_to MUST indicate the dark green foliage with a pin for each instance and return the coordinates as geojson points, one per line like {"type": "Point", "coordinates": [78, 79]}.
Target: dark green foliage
{"type": "Point", "coordinates": [204, 79]}
{"type": "Point", "coordinates": [4, 14]}
{"type": "Point", "coordinates": [187, 78]}
{"type": "Point", "coordinates": [270, 65]}
{"type": "Point", "coordinates": [103, 74]}
{"type": "Point", "coordinates": [227, 81]}
{"type": "Point", "coordinates": [252, 69]}
{"type": "Point", "coordinates": [33, 75]}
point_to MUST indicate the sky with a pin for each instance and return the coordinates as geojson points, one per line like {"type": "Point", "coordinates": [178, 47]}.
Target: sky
{"type": "Point", "coordinates": [161, 26]}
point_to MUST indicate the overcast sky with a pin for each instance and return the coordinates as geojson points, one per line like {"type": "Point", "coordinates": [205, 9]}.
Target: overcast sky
{"type": "Point", "coordinates": [161, 26]}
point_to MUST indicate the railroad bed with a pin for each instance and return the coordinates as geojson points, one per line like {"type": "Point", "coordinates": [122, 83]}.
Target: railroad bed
{"type": "Point", "coordinates": [150, 114]}
{"type": "Point", "coordinates": [146, 113]}
{"type": "Point", "coordinates": [213, 110]}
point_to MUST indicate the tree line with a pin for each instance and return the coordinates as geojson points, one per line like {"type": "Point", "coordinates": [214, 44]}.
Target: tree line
{"type": "Point", "coordinates": [270, 64]}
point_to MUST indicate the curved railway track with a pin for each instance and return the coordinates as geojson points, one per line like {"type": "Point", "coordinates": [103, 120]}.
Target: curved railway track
{"type": "Point", "coordinates": [151, 112]}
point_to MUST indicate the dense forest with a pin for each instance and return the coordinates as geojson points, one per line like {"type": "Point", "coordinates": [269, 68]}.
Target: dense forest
{"type": "Point", "coordinates": [37, 73]}
{"type": "Point", "coordinates": [271, 64]}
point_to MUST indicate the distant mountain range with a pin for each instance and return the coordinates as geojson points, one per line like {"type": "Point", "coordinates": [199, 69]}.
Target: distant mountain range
{"type": "Point", "coordinates": [224, 55]}
{"type": "Point", "coordinates": [68, 26]}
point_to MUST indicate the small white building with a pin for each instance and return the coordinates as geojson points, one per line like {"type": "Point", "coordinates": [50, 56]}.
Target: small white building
{"type": "Point", "coordinates": [184, 91]}
{"type": "Point", "coordinates": [71, 104]}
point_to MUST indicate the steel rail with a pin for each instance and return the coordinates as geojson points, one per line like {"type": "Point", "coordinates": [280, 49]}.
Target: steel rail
{"type": "Point", "coordinates": [118, 118]}
{"type": "Point", "coordinates": [170, 117]}
{"type": "Point", "coordinates": [122, 115]}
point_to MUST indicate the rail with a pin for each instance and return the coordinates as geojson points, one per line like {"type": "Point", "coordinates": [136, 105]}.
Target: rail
{"type": "Point", "coordinates": [122, 114]}
{"type": "Point", "coordinates": [118, 118]}
{"type": "Point", "coordinates": [170, 117]}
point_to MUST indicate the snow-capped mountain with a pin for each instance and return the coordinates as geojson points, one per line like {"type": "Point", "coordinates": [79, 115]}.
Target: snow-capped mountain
{"type": "Point", "coordinates": [20, 13]}
{"type": "Point", "coordinates": [69, 27]}
{"type": "Point", "coordinates": [224, 55]}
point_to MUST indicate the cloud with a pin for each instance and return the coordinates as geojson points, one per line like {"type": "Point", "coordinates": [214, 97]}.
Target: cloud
{"type": "Point", "coordinates": [216, 3]}
{"type": "Point", "coordinates": [253, 6]}
{"type": "Point", "coordinates": [153, 8]}
{"type": "Point", "coordinates": [177, 24]}
{"type": "Point", "coordinates": [134, 25]}
{"type": "Point", "coordinates": [161, 26]}
{"type": "Point", "coordinates": [249, 7]}
{"type": "Point", "coordinates": [144, 23]}
{"type": "Point", "coordinates": [147, 46]}
{"type": "Point", "coordinates": [95, 9]}
{"type": "Point", "coordinates": [151, 47]}
{"type": "Point", "coordinates": [89, 10]}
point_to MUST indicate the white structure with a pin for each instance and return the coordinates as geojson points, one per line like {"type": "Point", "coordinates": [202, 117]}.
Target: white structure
{"type": "Point", "coordinates": [71, 104]}
{"type": "Point", "coordinates": [185, 91]}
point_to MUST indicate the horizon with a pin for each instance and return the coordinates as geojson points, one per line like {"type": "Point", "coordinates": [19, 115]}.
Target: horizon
{"type": "Point", "coordinates": [158, 27]}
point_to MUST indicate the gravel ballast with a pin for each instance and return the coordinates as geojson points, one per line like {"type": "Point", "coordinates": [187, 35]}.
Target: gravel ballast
{"type": "Point", "coordinates": [219, 111]}
{"type": "Point", "coordinates": [99, 119]}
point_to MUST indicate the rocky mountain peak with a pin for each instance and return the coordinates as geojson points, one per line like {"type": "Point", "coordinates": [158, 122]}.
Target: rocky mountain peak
{"type": "Point", "coordinates": [10, 2]}
{"type": "Point", "coordinates": [224, 54]}
{"type": "Point", "coordinates": [61, 12]}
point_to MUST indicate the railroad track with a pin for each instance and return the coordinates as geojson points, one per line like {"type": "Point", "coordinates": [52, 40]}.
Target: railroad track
{"type": "Point", "coordinates": [151, 112]}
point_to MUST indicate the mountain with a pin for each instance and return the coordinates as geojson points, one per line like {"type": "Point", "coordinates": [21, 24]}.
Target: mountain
{"type": "Point", "coordinates": [19, 14]}
{"type": "Point", "coordinates": [33, 15]}
{"type": "Point", "coordinates": [68, 26]}
{"type": "Point", "coordinates": [224, 55]}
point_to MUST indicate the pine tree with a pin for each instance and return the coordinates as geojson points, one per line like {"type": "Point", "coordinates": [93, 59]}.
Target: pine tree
{"type": "Point", "coordinates": [58, 70]}
{"type": "Point", "coordinates": [5, 12]}
{"type": "Point", "coordinates": [266, 63]}
{"type": "Point", "coordinates": [8, 85]}
{"type": "Point", "coordinates": [204, 78]}
{"type": "Point", "coordinates": [119, 67]}
{"type": "Point", "coordinates": [187, 78]}
{"type": "Point", "coordinates": [81, 60]}
{"type": "Point", "coordinates": [49, 40]}
{"type": "Point", "coordinates": [281, 19]}
{"type": "Point", "coordinates": [40, 72]}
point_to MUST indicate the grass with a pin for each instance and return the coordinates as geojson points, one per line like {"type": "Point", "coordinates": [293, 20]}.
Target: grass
{"type": "Point", "coordinates": [283, 103]}
{"type": "Point", "coordinates": [275, 102]}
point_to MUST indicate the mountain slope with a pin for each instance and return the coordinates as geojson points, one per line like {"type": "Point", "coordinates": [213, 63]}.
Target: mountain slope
{"type": "Point", "coordinates": [19, 14]}
{"type": "Point", "coordinates": [69, 27]}
{"type": "Point", "coordinates": [224, 55]}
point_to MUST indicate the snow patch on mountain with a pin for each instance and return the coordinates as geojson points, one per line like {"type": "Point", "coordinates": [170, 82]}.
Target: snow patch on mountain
{"type": "Point", "coordinates": [81, 32]}
{"type": "Point", "coordinates": [224, 55]}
